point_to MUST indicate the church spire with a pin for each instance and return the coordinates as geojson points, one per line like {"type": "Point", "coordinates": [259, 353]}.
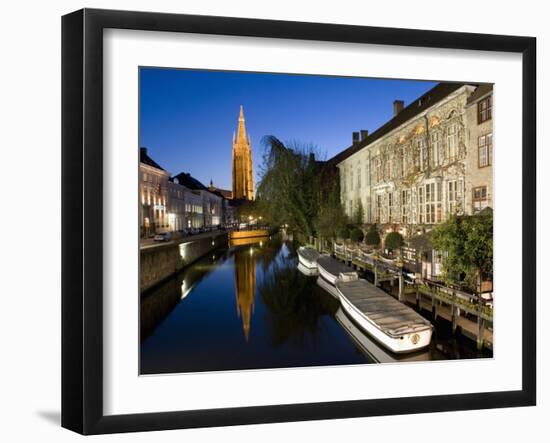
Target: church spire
{"type": "Point", "coordinates": [243, 178]}
{"type": "Point", "coordinates": [241, 132]}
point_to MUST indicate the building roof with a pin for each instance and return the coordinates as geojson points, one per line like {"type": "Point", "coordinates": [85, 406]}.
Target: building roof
{"type": "Point", "coordinates": [479, 92]}
{"type": "Point", "coordinates": [416, 107]}
{"type": "Point", "coordinates": [224, 193]}
{"type": "Point", "coordinates": [187, 180]}
{"type": "Point", "coordinates": [145, 159]}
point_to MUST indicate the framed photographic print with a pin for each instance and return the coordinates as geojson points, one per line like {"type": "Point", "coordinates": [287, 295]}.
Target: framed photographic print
{"type": "Point", "coordinates": [269, 221]}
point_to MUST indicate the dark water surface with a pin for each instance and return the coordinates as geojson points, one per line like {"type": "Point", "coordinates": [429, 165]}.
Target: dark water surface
{"type": "Point", "coordinates": [249, 307]}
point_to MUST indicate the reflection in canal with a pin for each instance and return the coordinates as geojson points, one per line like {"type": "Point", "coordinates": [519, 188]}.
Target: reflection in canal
{"type": "Point", "coordinates": [248, 306]}
{"type": "Point", "coordinates": [245, 286]}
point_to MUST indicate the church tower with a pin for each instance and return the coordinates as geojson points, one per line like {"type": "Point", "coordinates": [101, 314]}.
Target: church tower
{"type": "Point", "coordinates": [243, 178]}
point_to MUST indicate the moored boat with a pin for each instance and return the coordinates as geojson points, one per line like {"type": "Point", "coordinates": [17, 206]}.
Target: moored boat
{"type": "Point", "coordinates": [328, 287]}
{"type": "Point", "coordinates": [371, 347]}
{"type": "Point", "coordinates": [308, 272]}
{"type": "Point", "coordinates": [332, 270]}
{"type": "Point", "coordinates": [308, 257]}
{"type": "Point", "coordinates": [393, 324]}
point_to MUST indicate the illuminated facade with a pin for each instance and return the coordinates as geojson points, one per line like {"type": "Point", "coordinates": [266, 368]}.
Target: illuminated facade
{"type": "Point", "coordinates": [153, 190]}
{"type": "Point", "coordinates": [422, 165]}
{"type": "Point", "coordinates": [185, 208]}
{"type": "Point", "coordinates": [242, 172]}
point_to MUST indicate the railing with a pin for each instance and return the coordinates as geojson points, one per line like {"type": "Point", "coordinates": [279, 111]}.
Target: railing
{"type": "Point", "coordinates": [458, 300]}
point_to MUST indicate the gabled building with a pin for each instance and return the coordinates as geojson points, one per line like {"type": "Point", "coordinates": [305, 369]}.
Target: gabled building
{"type": "Point", "coordinates": [211, 203]}
{"type": "Point", "coordinates": [153, 189]}
{"type": "Point", "coordinates": [417, 169]}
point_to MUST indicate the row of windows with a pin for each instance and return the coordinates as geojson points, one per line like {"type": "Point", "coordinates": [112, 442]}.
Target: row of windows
{"type": "Point", "coordinates": [148, 198]}
{"type": "Point", "coordinates": [197, 209]}
{"type": "Point", "coordinates": [151, 178]}
{"type": "Point", "coordinates": [423, 204]}
{"type": "Point", "coordinates": [428, 205]}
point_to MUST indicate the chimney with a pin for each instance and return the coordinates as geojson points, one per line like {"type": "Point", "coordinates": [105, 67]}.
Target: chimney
{"type": "Point", "coordinates": [142, 151]}
{"type": "Point", "coordinates": [364, 134]}
{"type": "Point", "coordinates": [398, 106]}
{"type": "Point", "coordinates": [355, 137]}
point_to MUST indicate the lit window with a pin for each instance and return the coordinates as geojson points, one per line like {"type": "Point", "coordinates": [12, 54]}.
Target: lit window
{"type": "Point", "coordinates": [451, 142]}
{"type": "Point", "coordinates": [480, 198]}
{"type": "Point", "coordinates": [405, 205]}
{"type": "Point", "coordinates": [485, 110]}
{"type": "Point", "coordinates": [421, 208]}
{"type": "Point", "coordinates": [485, 150]}
{"type": "Point", "coordinates": [451, 197]}
{"type": "Point", "coordinates": [378, 208]}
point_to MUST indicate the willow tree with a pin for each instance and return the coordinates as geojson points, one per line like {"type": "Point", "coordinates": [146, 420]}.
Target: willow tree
{"type": "Point", "coordinates": [288, 192]}
{"type": "Point", "coordinates": [331, 217]}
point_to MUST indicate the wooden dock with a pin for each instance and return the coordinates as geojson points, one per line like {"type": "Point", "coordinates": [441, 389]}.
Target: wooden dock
{"type": "Point", "coordinates": [448, 303]}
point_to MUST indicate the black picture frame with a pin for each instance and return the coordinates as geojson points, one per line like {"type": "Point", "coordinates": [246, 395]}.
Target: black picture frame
{"type": "Point", "coordinates": [82, 259]}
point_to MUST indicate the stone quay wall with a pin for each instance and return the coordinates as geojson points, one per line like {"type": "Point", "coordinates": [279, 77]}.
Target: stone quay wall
{"type": "Point", "coordinates": [159, 262]}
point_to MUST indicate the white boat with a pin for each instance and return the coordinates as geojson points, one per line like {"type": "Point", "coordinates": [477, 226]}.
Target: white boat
{"type": "Point", "coordinates": [308, 272]}
{"type": "Point", "coordinates": [328, 287]}
{"type": "Point", "coordinates": [308, 257]}
{"type": "Point", "coordinates": [371, 347]}
{"type": "Point", "coordinates": [393, 324]}
{"type": "Point", "coordinates": [332, 270]}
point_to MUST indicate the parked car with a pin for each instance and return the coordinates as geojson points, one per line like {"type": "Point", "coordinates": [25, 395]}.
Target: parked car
{"type": "Point", "coordinates": [163, 236]}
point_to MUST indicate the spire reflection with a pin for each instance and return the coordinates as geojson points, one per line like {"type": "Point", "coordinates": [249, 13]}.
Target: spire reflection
{"type": "Point", "coordinates": [245, 285]}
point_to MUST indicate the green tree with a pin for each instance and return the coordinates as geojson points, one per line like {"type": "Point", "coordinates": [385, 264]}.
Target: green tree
{"type": "Point", "coordinates": [357, 235]}
{"type": "Point", "coordinates": [298, 190]}
{"type": "Point", "coordinates": [330, 217]}
{"type": "Point", "coordinates": [467, 243]}
{"type": "Point", "coordinates": [287, 192]}
{"type": "Point", "coordinates": [343, 233]}
{"type": "Point", "coordinates": [248, 209]}
{"type": "Point", "coordinates": [372, 238]}
{"type": "Point", "coordinates": [359, 214]}
{"type": "Point", "coordinates": [393, 241]}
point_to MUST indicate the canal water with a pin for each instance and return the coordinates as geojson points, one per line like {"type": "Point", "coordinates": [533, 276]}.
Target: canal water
{"type": "Point", "coordinates": [248, 306]}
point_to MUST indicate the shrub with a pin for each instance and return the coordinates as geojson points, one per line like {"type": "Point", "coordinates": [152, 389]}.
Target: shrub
{"type": "Point", "coordinates": [372, 238]}
{"type": "Point", "coordinates": [357, 235]}
{"type": "Point", "coordinates": [343, 233]}
{"type": "Point", "coordinates": [393, 241]}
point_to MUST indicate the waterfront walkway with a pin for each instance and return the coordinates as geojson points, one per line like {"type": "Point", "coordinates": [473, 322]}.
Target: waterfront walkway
{"type": "Point", "coordinates": [147, 243]}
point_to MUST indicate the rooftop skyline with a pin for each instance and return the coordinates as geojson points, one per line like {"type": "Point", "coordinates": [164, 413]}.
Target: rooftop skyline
{"type": "Point", "coordinates": [188, 117]}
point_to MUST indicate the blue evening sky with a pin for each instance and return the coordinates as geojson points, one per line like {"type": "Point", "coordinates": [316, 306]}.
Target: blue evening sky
{"type": "Point", "coordinates": [187, 117]}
